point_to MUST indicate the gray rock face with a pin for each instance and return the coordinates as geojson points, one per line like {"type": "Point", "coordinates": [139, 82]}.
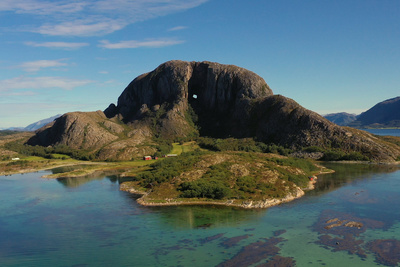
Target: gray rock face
{"type": "Point", "coordinates": [219, 94]}
{"type": "Point", "coordinates": [215, 87]}
{"type": "Point", "coordinates": [77, 130]}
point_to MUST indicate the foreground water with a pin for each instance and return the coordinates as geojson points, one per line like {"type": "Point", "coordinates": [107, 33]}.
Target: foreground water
{"type": "Point", "coordinates": [89, 222]}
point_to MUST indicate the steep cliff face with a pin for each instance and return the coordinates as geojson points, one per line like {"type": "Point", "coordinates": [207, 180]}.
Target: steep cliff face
{"type": "Point", "coordinates": [179, 99]}
{"type": "Point", "coordinates": [219, 94]}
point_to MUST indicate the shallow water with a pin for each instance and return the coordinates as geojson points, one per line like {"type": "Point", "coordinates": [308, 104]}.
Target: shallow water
{"type": "Point", "coordinates": [89, 222]}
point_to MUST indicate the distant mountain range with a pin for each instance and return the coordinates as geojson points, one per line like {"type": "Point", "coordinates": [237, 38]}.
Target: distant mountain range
{"type": "Point", "coordinates": [34, 126]}
{"type": "Point", "coordinates": [385, 114]}
{"type": "Point", "coordinates": [39, 124]}
{"type": "Point", "coordinates": [341, 118]}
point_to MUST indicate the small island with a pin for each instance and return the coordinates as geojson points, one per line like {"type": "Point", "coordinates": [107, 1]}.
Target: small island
{"type": "Point", "coordinates": [242, 179]}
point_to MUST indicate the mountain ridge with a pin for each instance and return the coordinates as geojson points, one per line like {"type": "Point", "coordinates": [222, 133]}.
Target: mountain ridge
{"type": "Point", "coordinates": [181, 99]}
{"type": "Point", "coordinates": [385, 114]}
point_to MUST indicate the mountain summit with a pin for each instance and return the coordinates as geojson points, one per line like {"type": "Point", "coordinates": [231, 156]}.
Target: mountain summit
{"type": "Point", "coordinates": [182, 99]}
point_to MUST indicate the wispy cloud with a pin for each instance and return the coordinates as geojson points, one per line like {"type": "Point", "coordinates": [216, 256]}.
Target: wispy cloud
{"type": "Point", "coordinates": [33, 66]}
{"type": "Point", "coordinates": [177, 28]}
{"type": "Point", "coordinates": [84, 27]}
{"type": "Point", "coordinates": [93, 17]}
{"type": "Point", "coordinates": [41, 7]}
{"type": "Point", "coordinates": [61, 45]}
{"type": "Point", "coordinates": [154, 43]}
{"type": "Point", "coordinates": [33, 83]}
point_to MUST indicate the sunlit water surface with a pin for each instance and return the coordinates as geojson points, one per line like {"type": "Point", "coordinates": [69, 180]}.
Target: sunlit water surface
{"type": "Point", "coordinates": [89, 222]}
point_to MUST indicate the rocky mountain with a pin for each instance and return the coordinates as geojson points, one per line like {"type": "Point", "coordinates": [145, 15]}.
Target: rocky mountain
{"type": "Point", "coordinates": [383, 114]}
{"type": "Point", "coordinates": [185, 99]}
{"type": "Point", "coordinates": [341, 118]}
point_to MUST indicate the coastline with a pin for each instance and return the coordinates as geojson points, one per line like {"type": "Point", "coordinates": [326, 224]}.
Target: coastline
{"type": "Point", "coordinates": [144, 200]}
{"type": "Point", "coordinates": [246, 204]}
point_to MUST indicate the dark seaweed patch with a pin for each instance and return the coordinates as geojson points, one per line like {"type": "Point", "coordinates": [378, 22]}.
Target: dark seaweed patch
{"type": "Point", "coordinates": [387, 251]}
{"type": "Point", "coordinates": [279, 232]}
{"type": "Point", "coordinates": [210, 238]}
{"type": "Point", "coordinates": [233, 241]}
{"type": "Point", "coordinates": [254, 253]}
{"type": "Point", "coordinates": [347, 243]}
{"type": "Point", "coordinates": [279, 261]}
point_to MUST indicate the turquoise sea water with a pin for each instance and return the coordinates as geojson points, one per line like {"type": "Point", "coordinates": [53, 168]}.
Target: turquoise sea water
{"type": "Point", "coordinates": [89, 222]}
{"type": "Point", "coordinates": [392, 132]}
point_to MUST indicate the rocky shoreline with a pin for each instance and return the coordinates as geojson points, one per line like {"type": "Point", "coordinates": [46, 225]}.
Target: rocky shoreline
{"type": "Point", "coordinates": [247, 204]}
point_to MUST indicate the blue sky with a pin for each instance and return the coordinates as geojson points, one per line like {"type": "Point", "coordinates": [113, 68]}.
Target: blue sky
{"type": "Point", "coordinates": [79, 55]}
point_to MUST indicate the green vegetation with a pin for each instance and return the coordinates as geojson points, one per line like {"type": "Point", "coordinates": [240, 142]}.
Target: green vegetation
{"type": "Point", "coordinates": [60, 151]}
{"type": "Point", "coordinates": [337, 155]}
{"type": "Point", "coordinates": [221, 176]}
{"type": "Point", "coordinates": [204, 189]}
{"type": "Point", "coordinates": [7, 132]}
{"type": "Point", "coordinates": [333, 155]}
{"type": "Point", "coordinates": [213, 184]}
{"type": "Point", "coordinates": [165, 170]}
{"type": "Point", "coordinates": [245, 144]}
{"type": "Point", "coordinates": [156, 116]}
{"type": "Point", "coordinates": [163, 147]}
{"type": "Point", "coordinates": [192, 119]}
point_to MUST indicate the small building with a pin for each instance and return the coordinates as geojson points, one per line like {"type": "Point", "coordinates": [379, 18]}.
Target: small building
{"type": "Point", "coordinates": [147, 158]}
{"type": "Point", "coordinates": [171, 155]}
{"type": "Point", "coordinates": [15, 159]}
{"type": "Point", "coordinates": [313, 178]}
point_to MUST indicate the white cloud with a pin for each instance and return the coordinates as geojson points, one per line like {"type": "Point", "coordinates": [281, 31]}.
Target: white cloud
{"type": "Point", "coordinates": [30, 83]}
{"type": "Point", "coordinates": [177, 28]}
{"type": "Point", "coordinates": [137, 44]}
{"type": "Point", "coordinates": [93, 17]}
{"type": "Point", "coordinates": [62, 45]}
{"type": "Point", "coordinates": [40, 7]}
{"type": "Point", "coordinates": [86, 27]}
{"type": "Point", "coordinates": [33, 66]}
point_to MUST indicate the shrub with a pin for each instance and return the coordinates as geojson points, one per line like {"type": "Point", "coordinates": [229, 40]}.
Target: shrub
{"type": "Point", "coordinates": [312, 149]}
{"type": "Point", "coordinates": [356, 156]}
{"type": "Point", "coordinates": [165, 170]}
{"type": "Point", "coordinates": [47, 152]}
{"type": "Point", "coordinates": [246, 184]}
{"type": "Point", "coordinates": [332, 155]}
{"type": "Point", "coordinates": [204, 188]}
{"type": "Point", "coordinates": [245, 144]}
